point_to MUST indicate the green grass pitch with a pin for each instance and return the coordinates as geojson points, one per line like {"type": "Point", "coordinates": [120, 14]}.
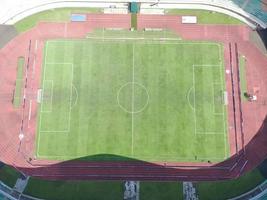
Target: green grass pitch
{"type": "Point", "coordinates": [148, 100]}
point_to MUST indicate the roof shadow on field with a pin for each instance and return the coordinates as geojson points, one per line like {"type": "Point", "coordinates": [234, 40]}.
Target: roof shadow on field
{"type": "Point", "coordinates": [104, 157]}
{"type": "Point", "coordinates": [115, 167]}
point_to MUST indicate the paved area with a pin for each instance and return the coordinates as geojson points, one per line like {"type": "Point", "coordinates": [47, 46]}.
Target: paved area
{"type": "Point", "coordinates": [189, 191]}
{"type": "Point", "coordinates": [131, 190]}
{"type": "Point", "coordinates": [7, 32]}
{"type": "Point", "coordinates": [21, 184]}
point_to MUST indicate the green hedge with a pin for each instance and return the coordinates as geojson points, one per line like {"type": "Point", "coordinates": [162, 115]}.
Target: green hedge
{"type": "Point", "coordinates": [161, 190]}
{"type": "Point", "coordinates": [228, 189]}
{"type": "Point", "coordinates": [68, 190]}
{"type": "Point", "coordinates": [8, 175]}
{"type": "Point", "coordinates": [19, 83]}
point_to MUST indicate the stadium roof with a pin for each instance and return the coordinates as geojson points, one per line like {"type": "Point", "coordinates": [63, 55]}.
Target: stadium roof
{"type": "Point", "coordinates": [13, 10]}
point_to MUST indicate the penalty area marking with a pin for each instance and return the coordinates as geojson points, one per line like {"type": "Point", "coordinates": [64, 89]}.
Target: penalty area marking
{"type": "Point", "coordinates": [69, 113]}
{"type": "Point", "coordinates": [188, 96]}
{"type": "Point", "coordinates": [194, 105]}
{"type": "Point", "coordinates": [69, 110]}
{"type": "Point", "coordinates": [77, 96]}
{"type": "Point", "coordinates": [223, 114]}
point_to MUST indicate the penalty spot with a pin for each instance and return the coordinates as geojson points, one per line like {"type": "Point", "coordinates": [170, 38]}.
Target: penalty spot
{"type": "Point", "coordinates": [21, 136]}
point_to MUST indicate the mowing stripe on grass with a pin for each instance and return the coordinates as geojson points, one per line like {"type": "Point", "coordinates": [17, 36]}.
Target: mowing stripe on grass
{"type": "Point", "coordinates": [133, 105]}
{"type": "Point", "coordinates": [19, 83]}
{"type": "Point", "coordinates": [47, 96]}
{"type": "Point", "coordinates": [163, 131]}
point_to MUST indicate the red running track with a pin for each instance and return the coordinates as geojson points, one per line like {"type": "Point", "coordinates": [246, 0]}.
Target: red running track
{"type": "Point", "coordinates": [247, 141]}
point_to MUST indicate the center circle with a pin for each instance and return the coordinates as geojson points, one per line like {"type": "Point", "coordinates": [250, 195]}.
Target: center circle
{"type": "Point", "coordinates": [132, 97]}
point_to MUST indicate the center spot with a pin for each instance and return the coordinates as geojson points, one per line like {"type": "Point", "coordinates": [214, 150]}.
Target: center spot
{"type": "Point", "coordinates": [132, 97]}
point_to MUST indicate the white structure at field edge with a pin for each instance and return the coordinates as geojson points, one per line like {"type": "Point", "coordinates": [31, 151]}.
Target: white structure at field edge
{"type": "Point", "coordinates": [12, 11]}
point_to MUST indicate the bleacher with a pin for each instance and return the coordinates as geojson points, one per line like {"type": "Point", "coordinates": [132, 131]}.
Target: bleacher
{"type": "Point", "coordinates": [254, 7]}
{"type": "Point", "coordinates": [11, 194]}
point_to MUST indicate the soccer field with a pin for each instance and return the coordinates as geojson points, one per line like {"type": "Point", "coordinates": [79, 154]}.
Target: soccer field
{"type": "Point", "coordinates": [149, 100]}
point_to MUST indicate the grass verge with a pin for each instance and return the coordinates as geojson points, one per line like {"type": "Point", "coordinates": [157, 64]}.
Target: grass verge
{"type": "Point", "coordinates": [8, 175]}
{"type": "Point", "coordinates": [19, 83]}
{"type": "Point", "coordinates": [66, 190]}
{"type": "Point", "coordinates": [134, 21]}
{"type": "Point", "coordinates": [206, 17]}
{"type": "Point", "coordinates": [243, 80]}
{"type": "Point", "coordinates": [217, 190]}
{"type": "Point", "coordinates": [161, 190]}
{"type": "Point", "coordinates": [148, 190]}
{"type": "Point", "coordinates": [53, 15]}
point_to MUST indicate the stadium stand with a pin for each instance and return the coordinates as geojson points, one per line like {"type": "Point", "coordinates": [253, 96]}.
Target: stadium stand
{"type": "Point", "coordinates": [257, 193]}
{"type": "Point", "coordinates": [254, 7]}
{"type": "Point", "coordinates": [253, 10]}
{"type": "Point", "coordinates": [189, 191]}
{"type": "Point", "coordinates": [11, 194]}
{"type": "Point", "coordinates": [7, 33]}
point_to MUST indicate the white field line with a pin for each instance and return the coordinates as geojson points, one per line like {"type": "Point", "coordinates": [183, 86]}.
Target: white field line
{"type": "Point", "coordinates": [58, 63]}
{"type": "Point", "coordinates": [44, 72]}
{"type": "Point", "coordinates": [134, 38]}
{"type": "Point", "coordinates": [36, 45]}
{"type": "Point", "coordinates": [159, 157]}
{"type": "Point", "coordinates": [77, 96]}
{"type": "Point", "coordinates": [72, 74]}
{"type": "Point", "coordinates": [209, 133]}
{"type": "Point", "coordinates": [206, 65]}
{"type": "Point", "coordinates": [30, 111]}
{"type": "Point", "coordinates": [40, 120]}
{"type": "Point", "coordinates": [133, 104]}
{"type": "Point", "coordinates": [170, 43]}
{"type": "Point", "coordinates": [217, 113]}
{"type": "Point", "coordinates": [188, 96]}
{"type": "Point", "coordinates": [213, 96]}
{"type": "Point", "coordinates": [194, 100]}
